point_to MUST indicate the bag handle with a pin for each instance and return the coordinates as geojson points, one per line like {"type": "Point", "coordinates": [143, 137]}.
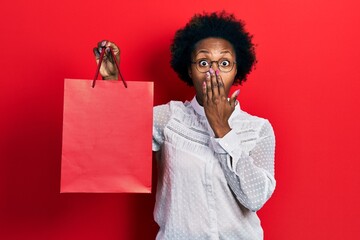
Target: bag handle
{"type": "Point", "coordinates": [99, 65]}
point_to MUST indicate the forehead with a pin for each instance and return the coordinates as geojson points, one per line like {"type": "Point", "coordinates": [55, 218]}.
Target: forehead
{"type": "Point", "coordinates": [213, 46]}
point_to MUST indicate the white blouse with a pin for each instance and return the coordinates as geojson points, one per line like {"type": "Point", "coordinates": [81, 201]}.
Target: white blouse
{"type": "Point", "coordinates": [211, 188]}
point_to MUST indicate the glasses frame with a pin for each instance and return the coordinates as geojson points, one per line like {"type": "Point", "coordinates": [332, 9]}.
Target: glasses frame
{"type": "Point", "coordinates": [211, 63]}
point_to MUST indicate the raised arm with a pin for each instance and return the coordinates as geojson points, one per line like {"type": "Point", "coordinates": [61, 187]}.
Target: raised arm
{"type": "Point", "coordinates": [250, 174]}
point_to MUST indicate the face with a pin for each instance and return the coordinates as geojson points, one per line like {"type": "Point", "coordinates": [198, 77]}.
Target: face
{"type": "Point", "coordinates": [212, 49]}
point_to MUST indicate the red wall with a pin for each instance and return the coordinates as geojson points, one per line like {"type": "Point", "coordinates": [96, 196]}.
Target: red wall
{"type": "Point", "coordinates": [307, 82]}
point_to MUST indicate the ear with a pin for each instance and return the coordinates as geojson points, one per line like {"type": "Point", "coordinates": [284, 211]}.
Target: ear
{"type": "Point", "coordinates": [190, 73]}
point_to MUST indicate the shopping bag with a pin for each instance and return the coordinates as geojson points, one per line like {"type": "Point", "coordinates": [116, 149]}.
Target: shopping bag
{"type": "Point", "coordinates": [107, 135]}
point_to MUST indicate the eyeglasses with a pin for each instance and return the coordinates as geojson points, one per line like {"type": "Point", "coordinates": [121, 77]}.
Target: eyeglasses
{"type": "Point", "coordinates": [204, 65]}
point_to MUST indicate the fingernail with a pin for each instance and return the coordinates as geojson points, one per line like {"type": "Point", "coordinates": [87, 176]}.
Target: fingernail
{"type": "Point", "coordinates": [207, 75]}
{"type": "Point", "coordinates": [107, 50]}
{"type": "Point", "coordinates": [217, 72]}
{"type": "Point", "coordinates": [97, 54]}
{"type": "Point", "coordinates": [103, 43]}
{"type": "Point", "coordinates": [211, 71]}
{"type": "Point", "coordinates": [204, 84]}
{"type": "Point", "coordinates": [237, 92]}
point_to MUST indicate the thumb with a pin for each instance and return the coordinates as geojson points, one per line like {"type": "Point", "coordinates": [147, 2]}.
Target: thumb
{"type": "Point", "coordinates": [96, 54]}
{"type": "Point", "coordinates": [234, 97]}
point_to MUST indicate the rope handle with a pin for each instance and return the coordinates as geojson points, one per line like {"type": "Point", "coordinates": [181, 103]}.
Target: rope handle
{"type": "Point", "coordinates": [99, 65]}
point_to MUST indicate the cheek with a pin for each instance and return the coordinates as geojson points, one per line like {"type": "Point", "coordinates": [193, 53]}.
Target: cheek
{"type": "Point", "coordinates": [197, 77]}
{"type": "Point", "coordinates": [228, 81]}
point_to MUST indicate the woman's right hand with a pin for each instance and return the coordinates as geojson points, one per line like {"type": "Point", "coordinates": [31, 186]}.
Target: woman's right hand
{"type": "Point", "coordinates": [108, 70]}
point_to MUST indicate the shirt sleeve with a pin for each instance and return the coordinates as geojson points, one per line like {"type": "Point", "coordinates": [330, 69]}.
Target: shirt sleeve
{"type": "Point", "coordinates": [160, 119]}
{"type": "Point", "coordinates": [250, 174]}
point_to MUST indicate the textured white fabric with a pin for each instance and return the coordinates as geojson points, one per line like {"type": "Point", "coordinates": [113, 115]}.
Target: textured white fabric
{"type": "Point", "coordinates": [211, 188]}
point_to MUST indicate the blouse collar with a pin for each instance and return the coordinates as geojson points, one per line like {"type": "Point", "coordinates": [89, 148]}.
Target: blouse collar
{"type": "Point", "coordinates": [197, 107]}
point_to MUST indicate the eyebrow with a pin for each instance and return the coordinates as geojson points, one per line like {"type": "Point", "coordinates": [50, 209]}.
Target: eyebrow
{"type": "Point", "coordinates": [207, 52]}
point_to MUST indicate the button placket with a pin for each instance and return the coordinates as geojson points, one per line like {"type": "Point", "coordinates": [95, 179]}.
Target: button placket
{"type": "Point", "coordinates": [211, 198]}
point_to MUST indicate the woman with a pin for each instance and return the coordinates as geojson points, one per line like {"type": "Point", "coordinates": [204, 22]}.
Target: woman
{"type": "Point", "coordinates": [216, 162]}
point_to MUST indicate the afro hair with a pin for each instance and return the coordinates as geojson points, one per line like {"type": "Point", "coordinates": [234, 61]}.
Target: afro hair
{"type": "Point", "coordinates": [218, 25]}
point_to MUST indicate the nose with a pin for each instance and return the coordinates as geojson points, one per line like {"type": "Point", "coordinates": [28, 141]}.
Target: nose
{"type": "Point", "coordinates": [214, 65]}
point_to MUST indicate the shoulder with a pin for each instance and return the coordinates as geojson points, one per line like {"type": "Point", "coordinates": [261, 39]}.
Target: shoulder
{"type": "Point", "coordinates": [247, 118]}
{"type": "Point", "coordinates": [171, 107]}
{"type": "Point", "coordinates": [244, 121]}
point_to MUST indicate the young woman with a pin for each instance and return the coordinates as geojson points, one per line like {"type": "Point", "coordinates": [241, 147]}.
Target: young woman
{"type": "Point", "coordinates": [216, 162]}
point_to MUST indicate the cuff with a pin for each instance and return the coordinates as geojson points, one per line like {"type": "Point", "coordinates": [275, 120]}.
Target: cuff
{"type": "Point", "coordinates": [226, 144]}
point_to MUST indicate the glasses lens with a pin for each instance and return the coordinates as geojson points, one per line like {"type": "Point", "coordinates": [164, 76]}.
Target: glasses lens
{"type": "Point", "coordinates": [225, 65]}
{"type": "Point", "coordinates": [203, 65]}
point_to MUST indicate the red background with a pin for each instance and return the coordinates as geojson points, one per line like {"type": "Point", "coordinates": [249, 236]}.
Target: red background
{"type": "Point", "coordinates": [306, 83]}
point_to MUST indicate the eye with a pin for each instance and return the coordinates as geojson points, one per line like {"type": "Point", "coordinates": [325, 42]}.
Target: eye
{"type": "Point", "coordinates": [203, 63]}
{"type": "Point", "coordinates": [224, 63]}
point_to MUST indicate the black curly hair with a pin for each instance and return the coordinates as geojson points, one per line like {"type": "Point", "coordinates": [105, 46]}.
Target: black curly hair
{"type": "Point", "coordinates": [218, 25]}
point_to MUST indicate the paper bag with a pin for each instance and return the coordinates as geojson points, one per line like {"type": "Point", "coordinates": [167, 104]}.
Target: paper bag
{"type": "Point", "coordinates": [107, 136]}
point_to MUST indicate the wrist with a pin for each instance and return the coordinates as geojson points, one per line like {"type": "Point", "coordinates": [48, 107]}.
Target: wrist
{"type": "Point", "coordinates": [221, 132]}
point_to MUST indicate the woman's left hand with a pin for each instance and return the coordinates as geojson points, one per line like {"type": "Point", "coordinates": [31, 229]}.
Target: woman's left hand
{"type": "Point", "coordinates": [218, 108]}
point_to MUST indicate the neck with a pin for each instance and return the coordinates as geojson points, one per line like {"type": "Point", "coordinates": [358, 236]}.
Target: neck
{"type": "Point", "coordinates": [199, 100]}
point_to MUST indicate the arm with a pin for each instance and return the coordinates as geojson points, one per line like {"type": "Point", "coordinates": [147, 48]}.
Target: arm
{"type": "Point", "coordinates": [250, 174]}
{"type": "Point", "coordinates": [160, 119]}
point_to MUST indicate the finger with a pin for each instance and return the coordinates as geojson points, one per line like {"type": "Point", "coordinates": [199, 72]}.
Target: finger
{"type": "Point", "coordinates": [208, 86]}
{"type": "Point", "coordinates": [233, 98]}
{"type": "Point", "coordinates": [204, 91]}
{"type": "Point", "coordinates": [115, 49]}
{"type": "Point", "coordinates": [102, 43]}
{"type": "Point", "coordinates": [109, 55]}
{"type": "Point", "coordinates": [96, 53]}
{"type": "Point", "coordinates": [221, 85]}
{"type": "Point", "coordinates": [214, 84]}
